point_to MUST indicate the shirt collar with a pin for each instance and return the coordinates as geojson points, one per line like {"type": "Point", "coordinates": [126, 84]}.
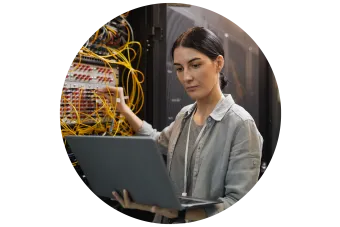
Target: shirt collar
{"type": "Point", "coordinates": [220, 109]}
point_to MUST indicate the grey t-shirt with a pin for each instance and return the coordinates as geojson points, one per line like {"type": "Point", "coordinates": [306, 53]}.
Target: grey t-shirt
{"type": "Point", "coordinates": [177, 166]}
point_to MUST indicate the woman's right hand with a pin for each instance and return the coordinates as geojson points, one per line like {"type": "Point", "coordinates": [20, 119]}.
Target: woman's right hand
{"type": "Point", "coordinates": [126, 203]}
{"type": "Point", "coordinates": [110, 93]}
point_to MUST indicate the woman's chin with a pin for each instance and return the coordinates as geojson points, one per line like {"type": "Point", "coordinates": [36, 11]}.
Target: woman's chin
{"type": "Point", "coordinates": [194, 95]}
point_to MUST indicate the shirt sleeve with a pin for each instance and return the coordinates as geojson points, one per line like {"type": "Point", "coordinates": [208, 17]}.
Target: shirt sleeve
{"type": "Point", "coordinates": [162, 137]}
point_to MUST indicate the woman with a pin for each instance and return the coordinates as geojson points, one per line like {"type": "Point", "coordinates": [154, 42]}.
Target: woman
{"type": "Point", "coordinates": [216, 139]}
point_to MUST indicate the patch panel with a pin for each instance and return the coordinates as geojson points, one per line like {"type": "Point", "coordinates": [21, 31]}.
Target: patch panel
{"type": "Point", "coordinates": [78, 101]}
{"type": "Point", "coordinates": [92, 74]}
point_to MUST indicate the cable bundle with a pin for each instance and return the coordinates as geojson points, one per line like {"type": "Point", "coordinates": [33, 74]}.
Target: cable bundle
{"type": "Point", "coordinates": [114, 45]}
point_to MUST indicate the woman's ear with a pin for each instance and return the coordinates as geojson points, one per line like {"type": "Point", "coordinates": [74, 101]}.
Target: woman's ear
{"type": "Point", "coordinates": [220, 62]}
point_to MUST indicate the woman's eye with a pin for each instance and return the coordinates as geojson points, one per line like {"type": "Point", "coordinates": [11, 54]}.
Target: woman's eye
{"type": "Point", "coordinates": [179, 69]}
{"type": "Point", "coordinates": [195, 66]}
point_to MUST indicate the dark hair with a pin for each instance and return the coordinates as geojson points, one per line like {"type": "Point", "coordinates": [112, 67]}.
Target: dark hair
{"type": "Point", "coordinates": [204, 41]}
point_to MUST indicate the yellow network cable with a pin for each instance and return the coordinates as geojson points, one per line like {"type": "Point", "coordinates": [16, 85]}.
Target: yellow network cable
{"type": "Point", "coordinates": [125, 14]}
{"type": "Point", "coordinates": [89, 123]}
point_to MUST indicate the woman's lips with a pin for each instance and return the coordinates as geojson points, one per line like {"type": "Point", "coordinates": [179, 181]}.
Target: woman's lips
{"type": "Point", "coordinates": [191, 88]}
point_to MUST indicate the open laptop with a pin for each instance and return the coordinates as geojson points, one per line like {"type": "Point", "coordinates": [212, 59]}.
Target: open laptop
{"type": "Point", "coordinates": [133, 163]}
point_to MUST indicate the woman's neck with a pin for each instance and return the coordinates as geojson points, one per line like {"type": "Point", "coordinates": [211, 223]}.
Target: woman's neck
{"type": "Point", "coordinates": [206, 105]}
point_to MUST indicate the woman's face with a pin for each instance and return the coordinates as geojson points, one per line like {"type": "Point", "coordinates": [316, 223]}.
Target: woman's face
{"type": "Point", "coordinates": [197, 72]}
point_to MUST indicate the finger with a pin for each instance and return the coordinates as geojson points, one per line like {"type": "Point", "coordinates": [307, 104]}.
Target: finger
{"type": "Point", "coordinates": [126, 198]}
{"type": "Point", "coordinates": [106, 94]}
{"type": "Point", "coordinates": [153, 209]}
{"type": "Point", "coordinates": [111, 99]}
{"type": "Point", "coordinates": [107, 89]}
{"type": "Point", "coordinates": [118, 198]}
{"type": "Point", "coordinates": [100, 90]}
{"type": "Point", "coordinates": [133, 205]}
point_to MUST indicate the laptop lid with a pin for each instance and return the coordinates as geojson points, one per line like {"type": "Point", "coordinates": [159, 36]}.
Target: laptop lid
{"type": "Point", "coordinates": [132, 163]}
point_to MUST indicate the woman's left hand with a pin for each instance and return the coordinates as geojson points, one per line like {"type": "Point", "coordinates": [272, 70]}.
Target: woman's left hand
{"type": "Point", "coordinates": [128, 204]}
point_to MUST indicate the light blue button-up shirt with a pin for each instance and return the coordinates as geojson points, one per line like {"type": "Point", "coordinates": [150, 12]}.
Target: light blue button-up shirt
{"type": "Point", "coordinates": [228, 155]}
